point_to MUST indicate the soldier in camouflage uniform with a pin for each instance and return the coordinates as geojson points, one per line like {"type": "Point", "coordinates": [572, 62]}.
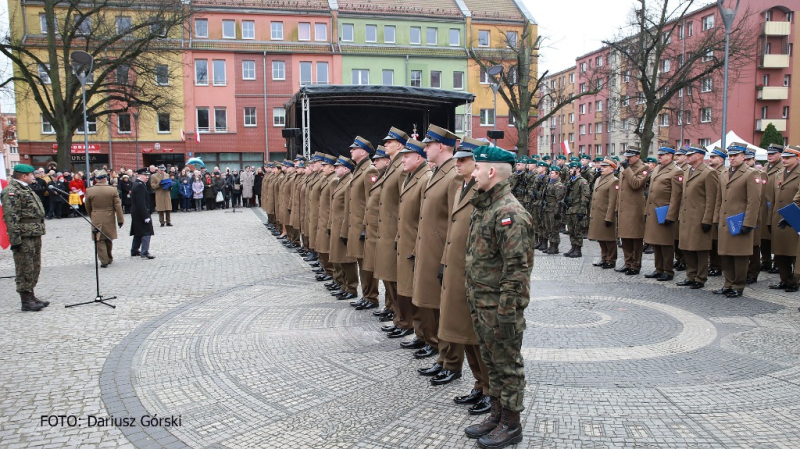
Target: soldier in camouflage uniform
{"type": "Point", "coordinates": [519, 181]}
{"type": "Point", "coordinates": [553, 217]}
{"type": "Point", "coordinates": [577, 199]}
{"type": "Point", "coordinates": [536, 190]}
{"type": "Point", "coordinates": [499, 260]}
{"type": "Point", "coordinates": [24, 214]}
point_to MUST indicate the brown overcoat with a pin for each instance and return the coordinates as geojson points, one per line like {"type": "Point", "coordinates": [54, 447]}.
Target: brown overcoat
{"type": "Point", "coordinates": [294, 214]}
{"type": "Point", "coordinates": [698, 200]}
{"type": "Point", "coordinates": [768, 189]}
{"type": "Point", "coordinates": [363, 178]}
{"type": "Point", "coordinates": [630, 201]}
{"type": "Point", "coordinates": [714, 229]}
{"type": "Point", "coordinates": [410, 202]}
{"type": "Point", "coordinates": [666, 186]}
{"type": "Point", "coordinates": [338, 252]}
{"type": "Point", "coordinates": [372, 216]}
{"type": "Point", "coordinates": [163, 200]}
{"type": "Point", "coordinates": [284, 198]}
{"type": "Point", "coordinates": [455, 321]}
{"type": "Point", "coordinates": [437, 201]}
{"type": "Point", "coordinates": [787, 187]}
{"type": "Point", "coordinates": [760, 225]}
{"type": "Point", "coordinates": [739, 192]}
{"type": "Point", "coordinates": [323, 239]}
{"type": "Point", "coordinates": [604, 200]}
{"type": "Point", "coordinates": [390, 183]}
{"type": "Point", "coordinates": [312, 212]}
{"type": "Point", "coordinates": [104, 208]}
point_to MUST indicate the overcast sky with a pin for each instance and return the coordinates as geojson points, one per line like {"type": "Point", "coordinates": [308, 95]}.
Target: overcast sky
{"type": "Point", "coordinates": [571, 27]}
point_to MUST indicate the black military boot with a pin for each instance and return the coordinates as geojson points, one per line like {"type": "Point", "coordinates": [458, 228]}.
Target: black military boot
{"type": "Point", "coordinates": [488, 424]}
{"type": "Point", "coordinates": [507, 432]}
{"type": "Point", "coordinates": [553, 249]}
{"type": "Point", "coordinates": [45, 303]}
{"type": "Point", "coordinates": [576, 253]}
{"type": "Point", "coordinates": [569, 253]}
{"type": "Point", "coordinates": [29, 304]}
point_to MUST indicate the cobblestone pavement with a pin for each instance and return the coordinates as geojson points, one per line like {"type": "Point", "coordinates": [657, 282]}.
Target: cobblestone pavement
{"type": "Point", "coordinates": [227, 330]}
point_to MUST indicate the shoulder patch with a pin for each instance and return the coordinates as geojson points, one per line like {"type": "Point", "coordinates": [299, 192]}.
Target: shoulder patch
{"type": "Point", "coordinates": [616, 186]}
{"type": "Point", "coordinates": [680, 178]}
{"type": "Point", "coordinates": [374, 179]}
{"type": "Point", "coordinates": [758, 180]}
{"type": "Point", "coordinates": [506, 221]}
{"type": "Point", "coordinates": [644, 173]}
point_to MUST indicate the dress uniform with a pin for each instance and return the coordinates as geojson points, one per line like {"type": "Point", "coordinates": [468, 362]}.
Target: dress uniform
{"type": "Point", "coordinates": [104, 208]}
{"type": "Point", "coordinates": [577, 199]}
{"type": "Point", "coordinates": [754, 265]}
{"type": "Point", "coordinates": [344, 264]}
{"type": "Point", "coordinates": [163, 200]}
{"type": "Point", "coordinates": [698, 201]}
{"type": "Point", "coordinates": [312, 203]}
{"type": "Point", "coordinates": [739, 192]}
{"type": "Point", "coordinates": [666, 184]}
{"type": "Point", "coordinates": [371, 221]}
{"type": "Point", "coordinates": [23, 214]}
{"type": "Point", "coordinates": [630, 208]}
{"type": "Point", "coordinates": [773, 167]}
{"type": "Point", "coordinates": [602, 215]}
{"type": "Point", "coordinates": [683, 164]}
{"type": "Point", "coordinates": [322, 241]}
{"type": "Point", "coordinates": [718, 156]}
{"type": "Point", "coordinates": [784, 237]}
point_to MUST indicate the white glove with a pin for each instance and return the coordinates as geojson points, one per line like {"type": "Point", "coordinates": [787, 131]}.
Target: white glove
{"type": "Point", "coordinates": [147, 220]}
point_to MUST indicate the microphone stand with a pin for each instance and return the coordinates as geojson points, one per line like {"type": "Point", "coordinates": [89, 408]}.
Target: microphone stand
{"type": "Point", "coordinates": [95, 230]}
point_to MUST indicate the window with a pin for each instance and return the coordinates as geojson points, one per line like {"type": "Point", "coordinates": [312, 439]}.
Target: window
{"type": "Point", "coordinates": [583, 87]}
{"type": "Point", "coordinates": [372, 33]}
{"type": "Point", "coordinates": [689, 91]}
{"type": "Point", "coordinates": [43, 23]}
{"type": "Point", "coordinates": [249, 116]}
{"type": "Point", "coordinates": [706, 84]}
{"type": "Point", "coordinates": [360, 76]}
{"type": "Point", "coordinates": [705, 115]}
{"type": "Point", "coordinates": [708, 56]}
{"type": "Point", "coordinates": [201, 72]}
{"type": "Point", "coordinates": [708, 22]}
{"type": "Point", "coordinates": [665, 65]}
{"type": "Point", "coordinates": [220, 120]}
{"type": "Point", "coordinates": [278, 70]}
{"type": "Point", "coordinates": [680, 93]}
{"type": "Point", "coordinates": [44, 73]}
{"type": "Point", "coordinates": [691, 28]}
{"type": "Point", "coordinates": [388, 77]}
{"type": "Point", "coordinates": [598, 128]}
{"type": "Point", "coordinates": [571, 117]}
{"type": "Point", "coordinates": [304, 31]}
{"type": "Point", "coordinates": [768, 16]}
{"type": "Point", "coordinates": [248, 29]}
{"type": "Point", "coordinates": [582, 130]}
{"type": "Point", "coordinates": [92, 122]}
{"type": "Point", "coordinates": [483, 38]}
{"type": "Point", "coordinates": [248, 70]}
{"type": "Point", "coordinates": [305, 73]}
{"type": "Point", "coordinates": [200, 27]}
{"type": "Point", "coordinates": [583, 67]}
{"type": "Point", "coordinates": [415, 36]}
{"type": "Point", "coordinates": [787, 80]}
{"type": "Point", "coordinates": [83, 26]}
{"type": "Point", "coordinates": [768, 48]}
{"type": "Point", "coordinates": [513, 120]}
{"type": "Point", "coordinates": [599, 84]}
{"type": "Point", "coordinates": [484, 76]}
{"type": "Point", "coordinates": [598, 106]}
{"type": "Point", "coordinates": [322, 73]}
{"type": "Point", "coordinates": [432, 36]}
{"type": "Point", "coordinates": [687, 117]}
{"type": "Point", "coordinates": [625, 101]}
{"type": "Point", "coordinates": [229, 29]}
{"type": "Point", "coordinates": [511, 39]}
{"type": "Point", "coordinates": [599, 61]}
{"type": "Point", "coordinates": [13, 150]}
{"type": "Point", "coordinates": [626, 76]}
{"type": "Point", "coordinates": [765, 80]}
{"type": "Point", "coordinates": [416, 78]}
{"type": "Point", "coordinates": [436, 79]}
{"type": "Point", "coordinates": [121, 74]}
{"type": "Point", "coordinates": [202, 120]}
{"type": "Point", "coordinates": [764, 112]}
{"type": "Point", "coordinates": [705, 142]}
{"type": "Point", "coordinates": [347, 32]}
{"type": "Point", "coordinates": [640, 99]}
{"type": "Point", "coordinates": [163, 123]}
{"type": "Point", "coordinates": [123, 25]}
{"type": "Point", "coordinates": [680, 32]}
{"type": "Point", "coordinates": [278, 117]}
{"type": "Point", "coordinates": [458, 80]}
{"type": "Point", "coordinates": [321, 32]}
{"type": "Point", "coordinates": [612, 125]}
{"type": "Point", "coordinates": [455, 37]}
{"type": "Point", "coordinates": [487, 117]}
{"type": "Point", "coordinates": [388, 34]}
{"type": "Point", "coordinates": [789, 16]}
{"type": "Point", "coordinates": [162, 75]}
{"type": "Point", "coordinates": [459, 124]}
{"type": "Point", "coordinates": [158, 28]}
{"type": "Point", "coordinates": [47, 128]}
{"type": "Point", "coordinates": [219, 72]}
{"type": "Point", "coordinates": [572, 78]}
{"type": "Point", "coordinates": [663, 120]}
{"type": "Point", "coordinates": [572, 137]}
{"type": "Point", "coordinates": [276, 29]}
{"type": "Point", "coordinates": [582, 109]}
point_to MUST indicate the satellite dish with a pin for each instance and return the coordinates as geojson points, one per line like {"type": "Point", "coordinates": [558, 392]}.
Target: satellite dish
{"type": "Point", "coordinates": [495, 70]}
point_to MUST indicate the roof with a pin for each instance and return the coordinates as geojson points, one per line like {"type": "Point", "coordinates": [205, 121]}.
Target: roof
{"type": "Point", "coordinates": [444, 9]}
{"type": "Point", "coordinates": [343, 95]}
{"type": "Point", "coordinates": [495, 10]}
{"type": "Point", "coordinates": [284, 5]}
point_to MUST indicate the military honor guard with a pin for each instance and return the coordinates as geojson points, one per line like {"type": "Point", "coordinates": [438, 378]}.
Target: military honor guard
{"type": "Point", "coordinates": [754, 264]}
{"type": "Point", "coordinates": [772, 168]}
{"type": "Point", "coordinates": [578, 195]}
{"type": "Point", "coordinates": [104, 208]}
{"type": "Point", "coordinates": [630, 208]}
{"type": "Point", "coordinates": [553, 208]}
{"type": "Point", "coordinates": [666, 185]}
{"type": "Point", "coordinates": [602, 215]}
{"type": "Point", "coordinates": [784, 238]}
{"type": "Point", "coordinates": [381, 161]}
{"type": "Point", "coordinates": [346, 266]}
{"type": "Point", "coordinates": [322, 241]}
{"type": "Point", "coordinates": [717, 160]}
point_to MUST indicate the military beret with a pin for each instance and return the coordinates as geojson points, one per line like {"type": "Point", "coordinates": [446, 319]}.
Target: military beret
{"type": "Point", "coordinates": [555, 168]}
{"type": "Point", "coordinates": [438, 134]}
{"type": "Point", "coordinates": [543, 164]}
{"type": "Point", "coordinates": [396, 134]}
{"type": "Point", "coordinates": [364, 144]}
{"type": "Point", "coordinates": [651, 159]}
{"type": "Point", "coordinates": [574, 159]}
{"type": "Point", "coordinates": [485, 153]}
{"type": "Point", "coordinates": [545, 158]}
{"type": "Point", "coordinates": [562, 157]}
{"type": "Point", "coordinates": [574, 164]}
{"type": "Point", "coordinates": [23, 168]}
{"type": "Point", "coordinates": [616, 158]}
{"type": "Point", "coordinates": [598, 159]}
{"type": "Point", "coordinates": [535, 156]}
{"type": "Point", "coordinates": [586, 156]}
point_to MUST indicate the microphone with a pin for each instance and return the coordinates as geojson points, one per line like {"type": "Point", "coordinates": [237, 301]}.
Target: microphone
{"type": "Point", "coordinates": [52, 187]}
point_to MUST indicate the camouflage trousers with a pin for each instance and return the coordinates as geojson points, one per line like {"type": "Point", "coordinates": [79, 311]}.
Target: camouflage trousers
{"type": "Point", "coordinates": [502, 357]}
{"type": "Point", "coordinates": [552, 226]}
{"type": "Point", "coordinates": [576, 229]}
{"type": "Point", "coordinates": [28, 263]}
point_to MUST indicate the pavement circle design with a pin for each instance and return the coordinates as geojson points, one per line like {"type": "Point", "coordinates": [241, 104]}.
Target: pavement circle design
{"type": "Point", "coordinates": [696, 333]}
{"type": "Point", "coordinates": [604, 318]}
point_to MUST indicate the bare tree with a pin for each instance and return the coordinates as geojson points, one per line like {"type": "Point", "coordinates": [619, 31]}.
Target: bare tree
{"type": "Point", "coordinates": [136, 46]}
{"type": "Point", "coordinates": [519, 86]}
{"type": "Point", "coordinates": [660, 59]}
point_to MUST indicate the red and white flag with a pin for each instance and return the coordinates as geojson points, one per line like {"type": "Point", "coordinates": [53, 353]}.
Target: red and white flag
{"type": "Point", "coordinates": [183, 136]}
{"type": "Point", "coordinates": [197, 136]}
{"type": "Point", "coordinates": [4, 241]}
{"type": "Point", "coordinates": [565, 147]}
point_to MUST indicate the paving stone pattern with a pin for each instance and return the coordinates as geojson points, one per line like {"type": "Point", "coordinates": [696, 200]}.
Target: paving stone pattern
{"type": "Point", "coordinates": [228, 330]}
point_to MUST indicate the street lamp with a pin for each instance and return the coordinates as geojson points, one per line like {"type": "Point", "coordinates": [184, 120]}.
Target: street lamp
{"type": "Point", "coordinates": [495, 85]}
{"type": "Point", "coordinates": [82, 64]}
{"type": "Point", "coordinates": [135, 113]}
{"type": "Point", "coordinates": [727, 19]}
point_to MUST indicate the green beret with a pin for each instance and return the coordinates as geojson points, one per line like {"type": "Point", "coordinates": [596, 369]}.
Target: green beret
{"type": "Point", "coordinates": [616, 158]}
{"type": "Point", "coordinates": [545, 158]}
{"type": "Point", "coordinates": [555, 168]}
{"type": "Point", "coordinates": [651, 159]}
{"type": "Point", "coordinates": [562, 157]}
{"type": "Point", "coordinates": [574, 164]}
{"type": "Point", "coordinates": [543, 164]}
{"type": "Point", "coordinates": [598, 159]}
{"type": "Point", "coordinates": [574, 159]}
{"type": "Point", "coordinates": [586, 156]}
{"type": "Point", "coordinates": [486, 153]}
{"type": "Point", "coordinates": [23, 168]}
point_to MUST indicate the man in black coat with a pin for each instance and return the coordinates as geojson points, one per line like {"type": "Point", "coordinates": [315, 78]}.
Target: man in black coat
{"type": "Point", "coordinates": [141, 224]}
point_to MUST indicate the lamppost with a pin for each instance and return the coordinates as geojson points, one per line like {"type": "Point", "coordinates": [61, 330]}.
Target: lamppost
{"type": "Point", "coordinates": [82, 64]}
{"type": "Point", "coordinates": [727, 19]}
{"type": "Point", "coordinates": [136, 136]}
{"type": "Point", "coordinates": [495, 85]}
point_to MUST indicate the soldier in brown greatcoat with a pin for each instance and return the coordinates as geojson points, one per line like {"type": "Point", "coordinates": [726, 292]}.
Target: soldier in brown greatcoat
{"type": "Point", "coordinates": [386, 267]}
{"type": "Point", "coordinates": [322, 241]}
{"type": "Point", "coordinates": [417, 171]}
{"type": "Point", "coordinates": [699, 197]}
{"type": "Point", "coordinates": [630, 210]}
{"type": "Point", "coordinates": [455, 323]}
{"type": "Point", "coordinates": [437, 199]}
{"type": "Point", "coordinates": [740, 191]}
{"type": "Point", "coordinates": [381, 161]}
{"type": "Point", "coordinates": [666, 183]}
{"type": "Point", "coordinates": [784, 237]}
{"type": "Point", "coordinates": [683, 164]}
{"type": "Point", "coordinates": [754, 264]}
{"type": "Point", "coordinates": [163, 200]}
{"type": "Point", "coordinates": [104, 208]}
{"type": "Point", "coordinates": [773, 167]}
{"type": "Point", "coordinates": [312, 205]}
{"type": "Point", "coordinates": [284, 199]}
{"type": "Point", "coordinates": [717, 162]}
{"type": "Point", "coordinates": [602, 216]}
{"type": "Point", "coordinates": [353, 229]}
{"type": "Point", "coordinates": [294, 200]}
{"type": "Point", "coordinates": [344, 264]}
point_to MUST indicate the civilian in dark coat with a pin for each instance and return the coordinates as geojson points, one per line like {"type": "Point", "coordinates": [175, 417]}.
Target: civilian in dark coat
{"type": "Point", "coordinates": [141, 224]}
{"type": "Point", "coordinates": [125, 186]}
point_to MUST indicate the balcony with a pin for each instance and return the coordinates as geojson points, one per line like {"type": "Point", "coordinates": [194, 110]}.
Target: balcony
{"type": "Point", "coordinates": [773, 93]}
{"type": "Point", "coordinates": [776, 28]}
{"type": "Point", "coordinates": [780, 124]}
{"type": "Point", "coordinates": [774, 62]}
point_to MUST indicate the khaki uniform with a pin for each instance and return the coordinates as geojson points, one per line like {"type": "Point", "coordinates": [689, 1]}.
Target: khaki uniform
{"type": "Point", "coordinates": [23, 213]}
{"type": "Point", "coordinates": [630, 208]}
{"type": "Point", "coordinates": [766, 212]}
{"type": "Point", "coordinates": [322, 241]}
{"type": "Point", "coordinates": [105, 210]}
{"type": "Point", "coordinates": [364, 176]}
{"type": "Point", "coordinates": [714, 261]}
{"type": "Point", "coordinates": [698, 201]}
{"type": "Point", "coordinates": [784, 241]}
{"type": "Point", "coordinates": [386, 267]}
{"type": "Point", "coordinates": [754, 264]}
{"type": "Point", "coordinates": [666, 186]}
{"type": "Point", "coordinates": [344, 265]}
{"type": "Point", "coordinates": [163, 200]}
{"type": "Point", "coordinates": [604, 200]}
{"type": "Point", "coordinates": [312, 215]}
{"type": "Point", "coordinates": [739, 192]}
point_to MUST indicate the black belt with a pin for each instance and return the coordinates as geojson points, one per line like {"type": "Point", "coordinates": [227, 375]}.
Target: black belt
{"type": "Point", "coordinates": [31, 220]}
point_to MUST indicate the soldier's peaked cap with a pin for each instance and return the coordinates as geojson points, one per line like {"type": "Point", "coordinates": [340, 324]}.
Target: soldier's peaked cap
{"type": "Point", "coordinates": [415, 146]}
{"type": "Point", "coordinates": [439, 134]}
{"type": "Point", "coordinates": [790, 152]}
{"type": "Point", "coordinates": [736, 148]}
{"type": "Point", "coordinates": [142, 171]}
{"type": "Point", "coordinates": [774, 148]}
{"type": "Point", "coordinates": [345, 162]}
{"type": "Point", "coordinates": [364, 144]}
{"type": "Point", "coordinates": [467, 146]}
{"type": "Point", "coordinates": [328, 159]}
{"type": "Point", "coordinates": [380, 153]}
{"type": "Point", "coordinates": [717, 151]}
{"type": "Point", "coordinates": [396, 134]}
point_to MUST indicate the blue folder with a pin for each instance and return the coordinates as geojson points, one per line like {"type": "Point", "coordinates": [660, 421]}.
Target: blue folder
{"type": "Point", "coordinates": [791, 213]}
{"type": "Point", "coordinates": [735, 223]}
{"type": "Point", "coordinates": [661, 213]}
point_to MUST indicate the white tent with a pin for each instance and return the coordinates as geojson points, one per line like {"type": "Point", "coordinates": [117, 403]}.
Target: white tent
{"type": "Point", "coordinates": [731, 137]}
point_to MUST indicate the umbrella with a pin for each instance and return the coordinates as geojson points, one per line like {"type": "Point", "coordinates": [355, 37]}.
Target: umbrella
{"type": "Point", "coordinates": [196, 162]}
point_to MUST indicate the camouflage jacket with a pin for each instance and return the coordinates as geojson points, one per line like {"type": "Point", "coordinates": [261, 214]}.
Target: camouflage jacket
{"type": "Point", "coordinates": [589, 174]}
{"type": "Point", "coordinates": [23, 212]}
{"type": "Point", "coordinates": [554, 194]}
{"type": "Point", "coordinates": [535, 189]}
{"type": "Point", "coordinates": [499, 255]}
{"type": "Point", "coordinates": [519, 186]}
{"type": "Point", "coordinates": [578, 198]}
